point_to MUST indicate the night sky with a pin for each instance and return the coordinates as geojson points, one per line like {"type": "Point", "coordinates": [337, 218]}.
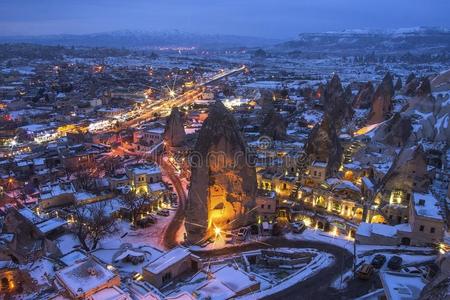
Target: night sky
{"type": "Point", "coordinates": [265, 18]}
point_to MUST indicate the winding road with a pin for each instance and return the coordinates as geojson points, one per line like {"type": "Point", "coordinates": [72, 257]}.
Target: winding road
{"type": "Point", "coordinates": [170, 233]}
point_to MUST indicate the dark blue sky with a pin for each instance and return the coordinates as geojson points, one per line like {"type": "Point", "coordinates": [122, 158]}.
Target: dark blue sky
{"type": "Point", "coordinates": [270, 18]}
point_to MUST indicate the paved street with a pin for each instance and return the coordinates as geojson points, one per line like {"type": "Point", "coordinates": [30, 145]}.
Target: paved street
{"type": "Point", "coordinates": [316, 287]}
{"type": "Point", "coordinates": [177, 221]}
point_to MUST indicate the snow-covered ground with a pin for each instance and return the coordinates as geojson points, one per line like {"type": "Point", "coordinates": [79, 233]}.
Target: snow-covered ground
{"type": "Point", "coordinates": [319, 262]}
{"type": "Point", "coordinates": [271, 279]}
{"type": "Point", "coordinates": [149, 236]}
{"type": "Point", "coordinates": [41, 271]}
{"type": "Point", "coordinates": [320, 236]}
{"type": "Point", "coordinates": [348, 243]}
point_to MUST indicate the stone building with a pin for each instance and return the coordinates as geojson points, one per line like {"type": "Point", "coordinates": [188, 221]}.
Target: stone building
{"type": "Point", "coordinates": [266, 205]}
{"type": "Point", "coordinates": [141, 175]}
{"type": "Point", "coordinates": [425, 225]}
{"type": "Point", "coordinates": [278, 182]}
{"type": "Point", "coordinates": [83, 279]}
{"type": "Point", "coordinates": [170, 265]}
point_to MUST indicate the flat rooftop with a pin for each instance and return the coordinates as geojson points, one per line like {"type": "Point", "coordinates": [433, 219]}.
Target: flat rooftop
{"type": "Point", "coordinates": [166, 260]}
{"type": "Point", "coordinates": [401, 286]}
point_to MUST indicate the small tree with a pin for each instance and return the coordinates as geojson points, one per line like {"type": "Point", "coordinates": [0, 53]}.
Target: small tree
{"type": "Point", "coordinates": [85, 179]}
{"type": "Point", "coordinates": [137, 204]}
{"type": "Point", "coordinates": [93, 222]}
{"type": "Point", "coordinates": [111, 164]}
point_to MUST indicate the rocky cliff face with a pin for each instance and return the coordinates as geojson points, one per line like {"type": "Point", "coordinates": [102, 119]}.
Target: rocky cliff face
{"type": "Point", "coordinates": [174, 133]}
{"type": "Point", "coordinates": [441, 82]}
{"type": "Point", "coordinates": [223, 182]}
{"type": "Point", "coordinates": [431, 118]}
{"type": "Point", "coordinates": [395, 132]}
{"type": "Point", "coordinates": [409, 170]}
{"type": "Point", "coordinates": [273, 126]}
{"type": "Point", "coordinates": [424, 88]}
{"type": "Point", "coordinates": [337, 102]}
{"type": "Point", "coordinates": [323, 145]}
{"type": "Point", "coordinates": [382, 100]}
{"type": "Point", "coordinates": [364, 96]}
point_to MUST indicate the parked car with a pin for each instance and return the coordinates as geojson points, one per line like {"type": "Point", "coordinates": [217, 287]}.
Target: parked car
{"type": "Point", "coordinates": [163, 212]}
{"type": "Point", "coordinates": [365, 272]}
{"type": "Point", "coordinates": [242, 234]}
{"type": "Point", "coordinates": [422, 271]}
{"type": "Point", "coordinates": [395, 263]}
{"type": "Point", "coordinates": [378, 261]}
{"type": "Point", "coordinates": [298, 227]}
{"type": "Point", "coordinates": [145, 222]}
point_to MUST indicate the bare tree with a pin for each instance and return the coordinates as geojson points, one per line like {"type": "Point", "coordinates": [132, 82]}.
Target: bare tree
{"type": "Point", "coordinates": [137, 204]}
{"type": "Point", "coordinates": [93, 222]}
{"type": "Point", "coordinates": [85, 179]}
{"type": "Point", "coordinates": [111, 164]}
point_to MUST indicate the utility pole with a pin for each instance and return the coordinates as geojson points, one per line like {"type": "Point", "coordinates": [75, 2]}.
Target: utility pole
{"type": "Point", "coordinates": [354, 257]}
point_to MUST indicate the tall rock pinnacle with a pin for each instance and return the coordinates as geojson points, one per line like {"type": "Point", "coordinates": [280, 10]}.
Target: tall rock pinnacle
{"type": "Point", "coordinates": [382, 100]}
{"type": "Point", "coordinates": [274, 126]}
{"type": "Point", "coordinates": [323, 145]}
{"type": "Point", "coordinates": [223, 181]}
{"type": "Point", "coordinates": [364, 96]}
{"type": "Point", "coordinates": [337, 102]}
{"type": "Point", "coordinates": [174, 132]}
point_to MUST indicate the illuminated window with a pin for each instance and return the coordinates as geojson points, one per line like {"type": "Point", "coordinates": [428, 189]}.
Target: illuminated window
{"type": "Point", "coordinates": [396, 197]}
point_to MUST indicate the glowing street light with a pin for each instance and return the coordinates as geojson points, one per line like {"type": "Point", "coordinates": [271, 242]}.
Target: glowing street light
{"type": "Point", "coordinates": [172, 93]}
{"type": "Point", "coordinates": [217, 231]}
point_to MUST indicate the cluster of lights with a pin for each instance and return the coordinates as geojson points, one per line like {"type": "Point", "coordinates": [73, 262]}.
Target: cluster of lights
{"type": "Point", "coordinates": [46, 137]}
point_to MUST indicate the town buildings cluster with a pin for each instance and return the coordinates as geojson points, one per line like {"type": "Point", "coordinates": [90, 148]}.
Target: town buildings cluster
{"type": "Point", "coordinates": [107, 163]}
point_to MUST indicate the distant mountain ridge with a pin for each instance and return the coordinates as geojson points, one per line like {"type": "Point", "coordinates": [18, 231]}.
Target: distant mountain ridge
{"type": "Point", "coordinates": [356, 41]}
{"type": "Point", "coordinates": [143, 40]}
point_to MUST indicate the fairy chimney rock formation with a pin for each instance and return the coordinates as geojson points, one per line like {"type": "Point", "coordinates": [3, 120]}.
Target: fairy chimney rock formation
{"type": "Point", "coordinates": [174, 133]}
{"type": "Point", "coordinates": [274, 126]}
{"type": "Point", "coordinates": [337, 102]}
{"type": "Point", "coordinates": [364, 96]}
{"type": "Point", "coordinates": [223, 181]}
{"type": "Point", "coordinates": [411, 85]}
{"type": "Point", "coordinates": [382, 101]}
{"type": "Point", "coordinates": [396, 131]}
{"type": "Point", "coordinates": [323, 145]}
{"type": "Point", "coordinates": [398, 84]}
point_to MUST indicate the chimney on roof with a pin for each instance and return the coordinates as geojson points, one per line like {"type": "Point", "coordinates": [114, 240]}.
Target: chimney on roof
{"type": "Point", "coordinates": [92, 272]}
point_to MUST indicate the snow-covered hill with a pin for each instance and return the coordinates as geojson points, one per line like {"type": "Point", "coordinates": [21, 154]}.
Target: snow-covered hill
{"type": "Point", "coordinates": [414, 40]}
